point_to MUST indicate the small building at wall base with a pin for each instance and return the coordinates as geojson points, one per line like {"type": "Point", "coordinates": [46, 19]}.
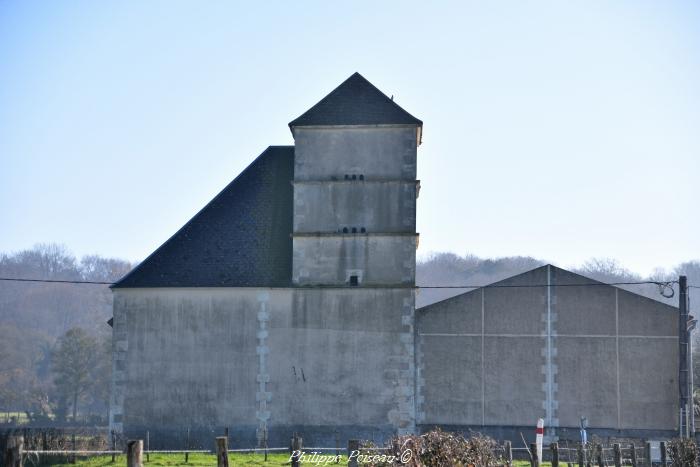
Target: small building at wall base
{"type": "Point", "coordinates": [287, 304]}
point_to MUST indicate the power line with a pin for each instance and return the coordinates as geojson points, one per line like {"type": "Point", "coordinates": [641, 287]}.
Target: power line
{"type": "Point", "coordinates": [588, 284]}
{"type": "Point", "coordinates": [490, 286]}
{"type": "Point", "coordinates": [57, 281]}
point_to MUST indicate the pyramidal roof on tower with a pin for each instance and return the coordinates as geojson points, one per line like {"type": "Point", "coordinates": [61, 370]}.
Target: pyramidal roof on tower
{"type": "Point", "coordinates": [355, 102]}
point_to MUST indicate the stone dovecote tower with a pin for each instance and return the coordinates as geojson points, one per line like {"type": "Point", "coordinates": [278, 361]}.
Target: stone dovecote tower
{"type": "Point", "coordinates": [287, 303]}
{"type": "Point", "coordinates": [354, 249]}
{"type": "Point", "coordinates": [355, 190]}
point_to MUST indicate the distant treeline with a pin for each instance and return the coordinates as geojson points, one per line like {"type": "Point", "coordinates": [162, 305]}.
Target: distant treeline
{"type": "Point", "coordinates": [453, 270]}
{"type": "Point", "coordinates": [55, 344]}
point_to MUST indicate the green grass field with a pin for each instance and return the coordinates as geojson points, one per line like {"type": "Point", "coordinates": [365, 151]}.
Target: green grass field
{"type": "Point", "coordinates": [273, 460]}
{"type": "Point", "coordinates": [198, 459]}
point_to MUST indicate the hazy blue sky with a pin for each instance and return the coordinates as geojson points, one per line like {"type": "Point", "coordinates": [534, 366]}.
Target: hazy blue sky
{"type": "Point", "coordinates": [563, 130]}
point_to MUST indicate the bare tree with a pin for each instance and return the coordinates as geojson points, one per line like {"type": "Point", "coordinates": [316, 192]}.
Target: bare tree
{"type": "Point", "coordinates": [73, 361]}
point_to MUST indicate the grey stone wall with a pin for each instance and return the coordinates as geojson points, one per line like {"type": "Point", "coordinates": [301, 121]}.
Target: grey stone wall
{"type": "Point", "coordinates": [184, 353]}
{"type": "Point", "coordinates": [322, 359]}
{"type": "Point", "coordinates": [503, 357]}
{"type": "Point", "coordinates": [376, 259]}
{"type": "Point", "coordinates": [263, 362]}
{"type": "Point", "coordinates": [354, 205]}
{"type": "Point", "coordinates": [383, 206]}
{"type": "Point", "coordinates": [378, 153]}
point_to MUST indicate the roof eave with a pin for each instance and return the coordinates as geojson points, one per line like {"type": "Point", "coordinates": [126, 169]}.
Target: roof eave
{"type": "Point", "coordinates": [418, 126]}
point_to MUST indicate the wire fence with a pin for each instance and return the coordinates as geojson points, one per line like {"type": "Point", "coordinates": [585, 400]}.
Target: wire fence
{"type": "Point", "coordinates": [45, 446]}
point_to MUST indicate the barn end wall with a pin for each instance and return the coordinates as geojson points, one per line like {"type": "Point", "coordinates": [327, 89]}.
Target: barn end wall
{"type": "Point", "coordinates": [497, 359]}
{"type": "Point", "coordinates": [320, 362]}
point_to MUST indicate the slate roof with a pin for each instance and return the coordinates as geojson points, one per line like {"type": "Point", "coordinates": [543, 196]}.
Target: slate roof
{"type": "Point", "coordinates": [242, 238]}
{"type": "Point", "coordinates": [355, 102]}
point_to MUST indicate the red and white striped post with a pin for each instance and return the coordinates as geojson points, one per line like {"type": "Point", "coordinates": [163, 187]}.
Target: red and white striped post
{"type": "Point", "coordinates": [539, 437]}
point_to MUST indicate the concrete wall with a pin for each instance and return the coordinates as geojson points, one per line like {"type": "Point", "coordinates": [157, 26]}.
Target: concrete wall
{"type": "Point", "coordinates": [376, 206]}
{"type": "Point", "coordinates": [280, 360]}
{"type": "Point", "coordinates": [344, 358]}
{"type": "Point", "coordinates": [378, 153]}
{"type": "Point", "coordinates": [276, 361]}
{"type": "Point", "coordinates": [375, 259]}
{"type": "Point", "coordinates": [502, 357]}
{"type": "Point", "coordinates": [381, 200]}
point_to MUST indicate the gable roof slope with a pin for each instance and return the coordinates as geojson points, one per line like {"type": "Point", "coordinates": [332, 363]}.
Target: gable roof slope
{"type": "Point", "coordinates": [241, 238]}
{"type": "Point", "coordinates": [355, 102]}
{"type": "Point", "coordinates": [561, 277]}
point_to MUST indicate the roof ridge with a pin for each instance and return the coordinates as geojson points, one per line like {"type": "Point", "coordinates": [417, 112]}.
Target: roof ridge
{"type": "Point", "coordinates": [324, 97]}
{"type": "Point", "coordinates": [391, 99]}
{"type": "Point", "coordinates": [355, 101]}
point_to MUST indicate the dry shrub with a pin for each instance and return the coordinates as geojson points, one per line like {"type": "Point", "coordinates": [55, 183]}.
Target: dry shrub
{"type": "Point", "coordinates": [438, 448]}
{"type": "Point", "coordinates": [683, 452]}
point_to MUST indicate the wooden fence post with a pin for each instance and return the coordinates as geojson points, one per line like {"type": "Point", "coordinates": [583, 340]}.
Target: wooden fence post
{"type": "Point", "coordinates": [222, 451]}
{"type": "Point", "coordinates": [647, 453]}
{"type": "Point", "coordinates": [633, 455]}
{"type": "Point", "coordinates": [599, 455]}
{"type": "Point", "coordinates": [265, 442]}
{"type": "Point", "coordinates": [337, 446]}
{"type": "Point", "coordinates": [555, 454]}
{"type": "Point", "coordinates": [13, 451]}
{"type": "Point", "coordinates": [617, 455]}
{"type": "Point", "coordinates": [296, 450]}
{"type": "Point", "coordinates": [148, 446]}
{"type": "Point", "coordinates": [72, 459]}
{"type": "Point", "coordinates": [662, 446]}
{"type": "Point", "coordinates": [509, 453]}
{"type": "Point", "coordinates": [114, 443]}
{"type": "Point", "coordinates": [353, 447]}
{"type": "Point", "coordinates": [187, 446]}
{"type": "Point", "coordinates": [134, 453]}
{"type": "Point", "coordinates": [534, 460]}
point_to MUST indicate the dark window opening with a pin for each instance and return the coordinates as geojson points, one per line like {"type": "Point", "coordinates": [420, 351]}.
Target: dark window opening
{"type": "Point", "coordinates": [347, 177]}
{"type": "Point", "coordinates": [354, 230]}
{"type": "Point", "coordinates": [363, 230]}
{"type": "Point", "coordinates": [345, 230]}
{"type": "Point", "coordinates": [362, 177]}
{"type": "Point", "coordinates": [354, 177]}
{"type": "Point", "coordinates": [353, 281]}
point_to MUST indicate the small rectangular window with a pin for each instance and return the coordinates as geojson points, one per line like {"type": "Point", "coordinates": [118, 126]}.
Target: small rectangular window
{"type": "Point", "coordinates": [353, 281]}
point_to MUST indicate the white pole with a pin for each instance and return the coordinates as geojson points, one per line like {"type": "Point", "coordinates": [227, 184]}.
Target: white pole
{"type": "Point", "coordinates": [538, 438]}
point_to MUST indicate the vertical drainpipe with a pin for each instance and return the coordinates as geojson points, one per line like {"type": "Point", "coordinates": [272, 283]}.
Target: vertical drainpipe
{"type": "Point", "coordinates": [684, 385]}
{"type": "Point", "coordinates": [690, 326]}
{"type": "Point", "coordinates": [691, 415]}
